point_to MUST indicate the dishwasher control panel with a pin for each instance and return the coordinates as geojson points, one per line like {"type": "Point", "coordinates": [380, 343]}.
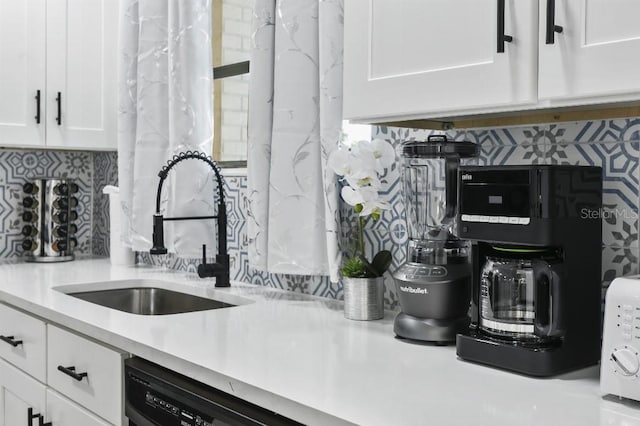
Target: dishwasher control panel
{"type": "Point", "coordinates": [155, 395]}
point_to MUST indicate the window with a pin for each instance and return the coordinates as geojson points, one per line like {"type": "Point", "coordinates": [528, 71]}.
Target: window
{"type": "Point", "coordinates": [231, 46]}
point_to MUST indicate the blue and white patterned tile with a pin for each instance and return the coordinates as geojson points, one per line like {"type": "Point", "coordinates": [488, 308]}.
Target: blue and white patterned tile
{"type": "Point", "coordinates": [520, 135]}
{"type": "Point", "coordinates": [21, 165]}
{"type": "Point", "coordinates": [614, 130]}
{"type": "Point", "coordinates": [235, 191]}
{"type": "Point", "coordinates": [619, 162]}
{"type": "Point", "coordinates": [105, 172]}
{"type": "Point", "coordinates": [501, 155]}
{"type": "Point", "coordinates": [618, 262]}
{"type": "Point", "coordinates": [398, 135]}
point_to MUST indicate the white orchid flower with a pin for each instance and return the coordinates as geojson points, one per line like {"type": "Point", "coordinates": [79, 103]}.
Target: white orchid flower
{"type": "Point", "coordinates": [339, 162]}
{"type": "Point", "coordinates": [384, 152]}
{"type": "Point", "coordinates": [353, 196]}
{"type": "Point", "coordinates": [381, 150]}
{"type": "Point", "coordinates": [367, 198]}
{"type": "Point", "coordinates": [363, 179]}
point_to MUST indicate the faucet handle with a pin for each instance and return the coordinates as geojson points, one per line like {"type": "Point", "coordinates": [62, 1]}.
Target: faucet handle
{"type": "Point", "coordinates": [204, 254]}
{"type": "Point", "coordinates": [158, 235]}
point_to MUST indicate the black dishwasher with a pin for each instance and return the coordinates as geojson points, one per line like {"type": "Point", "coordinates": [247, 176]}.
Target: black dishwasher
{"type": "Point", "coordinates": [155, 396]}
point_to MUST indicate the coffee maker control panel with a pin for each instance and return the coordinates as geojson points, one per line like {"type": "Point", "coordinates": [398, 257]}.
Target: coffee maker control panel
{"type": "Point", "coordinates": [495, 219]}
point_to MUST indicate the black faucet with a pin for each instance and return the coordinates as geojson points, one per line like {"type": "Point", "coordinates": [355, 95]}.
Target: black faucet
{"type": "Point", "coordinates": [219, 269]}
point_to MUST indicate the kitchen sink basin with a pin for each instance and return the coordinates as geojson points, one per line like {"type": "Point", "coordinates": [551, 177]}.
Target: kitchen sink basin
{"type": "Point", "coordinates": [149, 300]}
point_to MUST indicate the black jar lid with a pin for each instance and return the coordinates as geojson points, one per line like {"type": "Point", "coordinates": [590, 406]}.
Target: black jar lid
{"type": "Point", "coordinates": [438, 146]}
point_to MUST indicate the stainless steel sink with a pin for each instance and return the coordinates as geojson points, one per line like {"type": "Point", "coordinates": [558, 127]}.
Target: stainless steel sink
{"type": "Point", "coordinates": [149, 300]}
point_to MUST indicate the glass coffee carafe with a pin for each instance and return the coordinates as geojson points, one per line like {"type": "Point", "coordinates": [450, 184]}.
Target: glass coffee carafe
{"type": "Point", "coordinates": [521, 295]}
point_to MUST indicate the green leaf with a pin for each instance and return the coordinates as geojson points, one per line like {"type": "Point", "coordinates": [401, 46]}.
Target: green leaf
{"type": "Point", "coordinates": [381, 262]}
{"type": "Point", "coordinates": [353, 267]}
{"type": "Point", "coordinates": [371, 272]}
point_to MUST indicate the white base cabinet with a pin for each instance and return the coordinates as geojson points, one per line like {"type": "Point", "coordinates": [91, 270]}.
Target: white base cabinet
{"type": "Point", "coordinates": [100, 387]}
{"type": "Point", "coordinates": [62, 412]}
{"type": "Point", "coordinates": [20, 395]}
{"type": "Point", "coordinates": [83, 384]}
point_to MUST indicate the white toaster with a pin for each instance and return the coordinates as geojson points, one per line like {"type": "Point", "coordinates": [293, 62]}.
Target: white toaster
{"type": "Point", "coordinates": [620, 365]}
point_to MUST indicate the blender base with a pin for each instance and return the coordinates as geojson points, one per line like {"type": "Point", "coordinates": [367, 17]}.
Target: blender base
{"type": "Point", "coordinates": [437, 331]}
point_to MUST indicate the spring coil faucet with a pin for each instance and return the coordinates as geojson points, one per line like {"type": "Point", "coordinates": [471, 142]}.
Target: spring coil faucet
{"type": "Point", "coordinates": [219, 269]}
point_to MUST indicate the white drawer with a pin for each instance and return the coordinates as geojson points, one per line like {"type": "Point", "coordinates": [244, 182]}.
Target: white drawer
{"type": "Point", "coordinates": [98, 369]}
{"type": "Point", "coordinates": [62, 412]}
{"type": "Point", "coordinates": [23, 341]}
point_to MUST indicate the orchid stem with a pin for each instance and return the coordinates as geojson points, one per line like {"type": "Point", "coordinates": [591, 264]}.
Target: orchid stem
{"type": "Point", "coordinates": [360, 247]}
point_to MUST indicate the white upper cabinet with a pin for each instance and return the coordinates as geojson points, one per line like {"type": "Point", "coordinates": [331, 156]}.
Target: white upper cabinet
{"type": "Point", "coordinates": [415, 58]}
{"type": "Point", "coordinates": [66, 51]}
{"type": "Point", "coordinates": [596, 54]}
{"type": "Point", "coordinates": [22, 72]}
{"type": "Point", "coordinates": [81, 73]}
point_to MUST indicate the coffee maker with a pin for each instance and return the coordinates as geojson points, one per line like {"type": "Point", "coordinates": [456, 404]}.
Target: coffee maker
{"type": "Point", "coordinates": [433, 286]}
{"type": "Point", "coordinates": [536, 246]}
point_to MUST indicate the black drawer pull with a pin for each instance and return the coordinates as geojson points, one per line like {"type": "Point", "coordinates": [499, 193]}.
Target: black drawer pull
{"type": "Point", "coordinates": [502, 37]}
{"type": "Point", "coordinates": [552, 28]}
{"type": "Point", "coordinates": [71, 372]}
{"type": "Point", "coordinates": [10, 340]}
{"type": "Point", "coordinates": [37, 117]}
{"type": "Point", "coordinates": [31, 416]}
{"type": "Point", "coordinates": [59, 101]}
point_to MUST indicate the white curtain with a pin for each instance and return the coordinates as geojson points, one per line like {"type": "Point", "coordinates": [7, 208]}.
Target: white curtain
{"type": "Point", "coordinates": [165, 107]}
{"type": "Point", "coordinates": [295, 117]}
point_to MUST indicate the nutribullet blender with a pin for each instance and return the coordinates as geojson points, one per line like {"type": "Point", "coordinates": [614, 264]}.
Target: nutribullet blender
{"type": "Point", "coordinates": [434, 285]}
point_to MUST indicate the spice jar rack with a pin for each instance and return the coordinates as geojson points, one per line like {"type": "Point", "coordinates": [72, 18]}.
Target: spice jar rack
{"type": "Point", "coordinates": [49, 218]}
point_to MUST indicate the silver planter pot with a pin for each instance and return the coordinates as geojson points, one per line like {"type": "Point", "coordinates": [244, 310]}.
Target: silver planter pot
{"type": "Point", "coordinates": [363, 298]}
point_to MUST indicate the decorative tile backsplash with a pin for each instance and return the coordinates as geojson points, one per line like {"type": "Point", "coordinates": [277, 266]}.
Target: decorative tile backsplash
{"type": "Point", "coordinates": [105, 167]}
{"type": "Point", "coordinates": [89, 169]}
{"type": "Point", "coordinates": [612, 144]}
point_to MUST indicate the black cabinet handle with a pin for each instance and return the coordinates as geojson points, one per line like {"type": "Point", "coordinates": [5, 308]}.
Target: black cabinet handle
{"type": "Point", "coordinates": [71, 372]}
{"type": "Point", "coordinates": [59, 102]}
{"type": "Point", "coordinates": [37, 117]}
{"type": "Point", "coordinates": [31, 416]}
{"type": "Point", "coordinates": [42, 423]}
{"type": "Point", "coordinates": [502, 37]}
{"type": "Point", "coordinates": [10, 340]}
{"type": "Point", "coordinates": [552, 28]}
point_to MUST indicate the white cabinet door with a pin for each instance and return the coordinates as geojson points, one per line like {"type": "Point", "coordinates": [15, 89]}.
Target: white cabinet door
{"type": "Point", "coordinates": [24, 342]}
{"type": "Point", "coordinates": [22, 72]}
{"type": "Point", "coordinates": [18, 394]}
{"type": "Point", "coordinates": [597, 52]}
{"type": "Point", "coordinates": [81, 73]}
{"type": "Point", "coordinates": [62, 412]}
{"type": "Point", "coordinates": [417, 58]}
{"type": "Point", "coordinates": [100, 390]}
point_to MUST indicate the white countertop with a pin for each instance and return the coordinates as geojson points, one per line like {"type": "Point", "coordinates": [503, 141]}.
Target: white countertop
{"type": "Point", "coordinates": [298, 356]}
